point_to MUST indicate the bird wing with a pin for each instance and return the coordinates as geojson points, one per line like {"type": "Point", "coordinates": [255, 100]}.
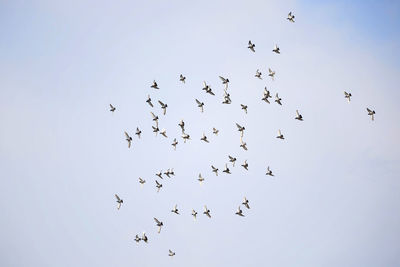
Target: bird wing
{"type": "Point", "coordinates": [222, 78]}
{"type": "Point", "coordinates": [239, 127]}
{"type": "Point", "coordinates": [117, 197]}
{"type": "Point", "coordinates": [297, 112]}
{"type": "Point", "coordinates": [111, 106]}
{"type": "Point", "coordinates": [204, 83]}
{"type": "Point", "coordinates": [152, 114]}
{"type": "Point", "coordinates": [161, 103]}
{"type": "Point", "coordinates": [127, 135]}
{"type": "Point", "coordinates": [279, 132]}
{"type": "Point", "coordinates": [369, 110]}
{"type": "Point", "coordinates": [119, 205]}
{"type": "Point", "coordinates": [157, 221]}
{"type": "Point", "coordinates": [198, 102]}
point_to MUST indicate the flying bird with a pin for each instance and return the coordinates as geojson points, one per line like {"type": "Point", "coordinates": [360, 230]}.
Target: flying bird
{"type": "Point", "coordinates": [119, 201]}
{"type": "Point", "coordinates": [224, 81]}
{"type": "Point", "coordinates": [144, 237]}
{"type": "Point", "coordinates": [182, 78]}
{"type": "Point", "coordinates": [215, 131]}
{"type": "Point", "coordinates": [269, 172]}
{"type": "Point", "coordinates": [276, 49]}
{"type": "Point", "coordinates": [185, 137]}
{"type": "Point", "coordinates": [207, 212]}
{"type": "Point", "coordinates": [164, 133]}
{"type": "Point", "coordinates": [298, 116]}
{"type": "Point", "coordinates": [239, 212]}
{"type": "Point", "coordinates": [174, 143]}
{"type": "Point", "coordinates": [158, 185]}
{"type": "Point", "coordinates": [278, 99]}
{"type": "Point", "coordinates": [159, 224]}
{"type": "Point", "coordinates": [182, 125]}
{"type": "Point", "coordinates": [245, 165]}
{"type": "Point", "coordinates": [244, 107]}
{"type": "Point", "coordinates": [232, 160]}
{"type": "Point", "coordinates": [159, 174]}
{"type": "Point", "coordinates": [271, 73]}
{"type": "Point", "coordinates": [226, 170]}
{"type": "Point", "coordinates": [214, 170]}
{"type": "Point", "coordinates": [194, 214]}
{"type": "Point", "coordinates": [243, 144]}
{"type": "Point", "coordinates": [251, 46]}
{"type": "Point", "coordinates": [347, 95]}
{"type": "Point", "coordinates": [171, 253]}
{"type": "Point", "coordinates": [155, 118]}
{"type": "Point", "coordinates": [371, 113]}
{"type": "Point", "coordinates": [266, 95]}
{"type": "Point", "coordinates": [200, 105]}
{"type": "Point", "coordinates": [280, 135]}
{"type": "Point", "coordinates": [240, 129]}
{"type": "Point", "coordinates": [204, 138]}
{"type": "Point", "coordinates": [138, 132]}
{"type": "Point", "coordinates": [128, 139]}
{"type": "Point", "coordinates": [246, 203]}
{"type": "Point", "coordinates": [163, 106]}
{"type": "Point", "coordinates": [290, 17]}
{"type": "Point", "coordinates": [154, 85]}
{"type": "Point", "coordinates": [148, 101]}
{"type": "Point", "coordinates": [258, 74]}
{"type": "Point", "coordinates": [207, 88]}
{"type": "Point", "coordinates": [142, 181]}
{"type": "Point", "coordinates": [112, 108]}
{"type": "Point", "coordinates": [175, 209]}
{"type": "Point", "coordinates": [137, 238]}
{"type": "Point", "coordinates": [155, 129]}
{"type": "Point", "coordinates": [200, 179]}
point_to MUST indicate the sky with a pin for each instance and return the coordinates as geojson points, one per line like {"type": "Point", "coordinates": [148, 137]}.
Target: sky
{"type": "Point", "coordinates": [334, 198]}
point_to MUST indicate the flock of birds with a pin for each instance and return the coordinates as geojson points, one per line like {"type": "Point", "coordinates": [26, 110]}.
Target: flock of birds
{"type": "Point", "coordinates": [185, 136]}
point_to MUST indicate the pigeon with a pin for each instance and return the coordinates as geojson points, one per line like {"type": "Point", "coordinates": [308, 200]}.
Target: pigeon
{"type": "Point", "coordinates": [119, 201]}
{"type": "Point", "coordinates": [174, 143]}
{"type": "Point", "coordinates": [244, 107]}
{"type": "Point", "coordinates": [280, 135]}
{"type": "Point", "coordinates": [194, 214]}
{"type": "Point", "coordinates": [158, 185]}
{"type": "Point", "coordinates": [138, 132]}
{"type": "Point", "coordinates": [269, 172]}
{"type": "Point", "coordinates": [243, 144]}
{"type": "Point", "coordinates": [224, 81]}
{"type": "Point", "coordinates": [200, 105]}
{"type": "Point", "coordinates": [258, 74]}
{"type": "Point", "coordinates": [171, 253]}
{"type": "Point", "coordinates": [155, 129]}
{"type": "Point", "coordinates": [154, 85]}
{"type": "Point", "coordinates": [240, 129]}
{"type": "Point", "coordinates": [347, 95]}
{"type": "Point", "coordinates": [232, 160]}
{"type": "Point", "coordinates": [271, 73]}
{"type": "Point", "coordinates": [159, 174]}
{"type": "Point", "coordinates": [185, 137]}
{"type": "Point", "coordinates": [239, 212]}
{"type": "Point", "coordinates": [207, 88]}
{"type": "Point", "coordinates": [200, 179]}
{"type": "Point", "coordinates": [164, 133]}
{"type": "Point", "coordinates": [246, 203]}
{"type": "Point", "coordinates": [251, 46]}
{"type": "Point", "coordinates": [245, 165]}
{"type": "Point", "coordinates": [144, 237]}
{"type": "Point", "coordinates": [149, 101]}
{"type": "Point", "coordinates": [371, 113]}
{"type": "Point", "coordinates": [214, 170]}
{"type": "Point", "coordinates": [167, 173]}
{"type": "Point", "coordinates": [172, 172]}
{"type": "Point", "coordinates": [227, 171]}
{"type": "Point", "coordinates": [128, 139]}
{"type": "Point", "coordinates": [155, 118]}
{"type": "Point", "coordinates": [182, 78]}
{"type": "Point", "coordinates": [290, 17]}
{"type": "Point", "coordinates": [204, 138]}
{"type": "Point", "coordinates": [299, 116]}
{"type": "Point", "coordinates": [163, 106]}
{"type": "Point", "coordinates": [227, 99]}
{"type": "Point", "coordinates": [276, 49]}
{"type": "Point", "coordinates": [267, 95]}
{"type": "Point", "coordinates": [175, 209]}
{"type": "Point", "coordinates": [137, 238]}
{"type": "Point", "coordinates": [182, 125]}
{"type": "Point", "coordinates": [278, 99]}
{"type": "Point", "coordinates": [159, 224]}
{"type": "Point", "coordinates": [215, 131]}
{"type": "Point", "coordinates": [112, 108]}
{"type": "Point", "coordinates": [207, 212]}
{"type": "Point", "coordinates": [142, 181]}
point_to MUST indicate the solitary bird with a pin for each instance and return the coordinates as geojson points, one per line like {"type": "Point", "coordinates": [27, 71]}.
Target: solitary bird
{"type": "Point", "coordinates": [245, 165]}
{"type": "Point", "coordinates": [171, 253]}
{"type": "Point", "coordinates": [280, 135]}
{"type": "Point", "coordinates": [278, 99]}
{"type": "Point", "coordinates": [290, 17]}
{"type": "Point", "coordinates": [200, 179]}
{"type": "Point", "coordinates": [158, 185]}
{"type": "Point", "coordinates": [119, 201]}
{"type": "Point", "coordinates": [144, 237]}
{"type": "Point", "coordinates": [204, 138]}
{"type": "Point", "coordinates": [207, 212]}
{"type": "Point", "coordinates": [175, 209]}
{"type": "Point", "coordinates": [251, 46]}
{"type": "Point", "coordinates": [276, 49]}
{"type": "Point", "coordinates": [137, 238]}
{"type": "Point", "coordinates": [269, 172]}
{"type": "Point", "coordinates": [258, 74]}
{"type": "Point", "coordinates": [347, 95]}
{"type": "Point", "coordinates": [138, 132]}
{"type": "Point", "coordinates": [163, 106]}
{"type": "Point", "coordinates": [371, 113]}
{"type": "Point", "coordinates": [215, 170]}
{"type": "Point", "coordinates": [232, 160]}
{"type": "Point", "coordinates": [174, 143]}
{"type": "Point", "coordinates": [244, 107]}
{"type": "Point", "coordinates": [215, 131]}
{"type": "Point", "coordinates": [112, 108]}
{"type": "Point", "coordinates": [154, 85]}
{"type": "Point", "coordinates": [226, 170]}
{"type": "Point", "coordinates": [164, 133]}
{"type": "Point", "coordinates": [239, 212]}
{"type": "Point", "coordinates": [182, 78]}
{"type": "Point", "coordinates": [246, 202]}
{"type": "Point", "coordinates": [194, 213]}
{"type": "Point", "coordinates": [200, 105]}
{"type": "Point", "coordinates": [159, 224]}
{"type": "Point", "coordinates": [298, 116]}
{"type": "Point", "coordinates": [128, 139]}
{"type": "Point", "coordinates": [148, 101]}
{"type": "Point", "coordinates": [271, 73]}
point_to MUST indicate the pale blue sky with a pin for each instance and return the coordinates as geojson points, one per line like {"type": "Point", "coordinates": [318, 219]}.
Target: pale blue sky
{"type": "Point", "coordinates": [334, 200]}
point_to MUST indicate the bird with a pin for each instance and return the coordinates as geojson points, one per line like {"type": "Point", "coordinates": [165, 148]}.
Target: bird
{"type": "Point", "coordinates": [227, 171]}
{"type": "Point", "coordinates": [299, 116]}
{"type": "Point", "coordinates": [239, 212]}
{"type": "Point", "coordinates": [144, 237]}
{"type": "Point", "coordinates": [207, 88]}
{"type": "Point", "coordinates": [171, 172]}
{"type": "Point", "coordinates": [347, 95]}
{"type": "Point", "coordinates": [214, 170]}
{"type": "Point", "coordinates": [182, 78]}
{"type": "Point", "coordinates": [271, 73]}
{"type": "Point", "coordinates": [185, 137]}
{"type": "Point", "coordinates": [128, 139]}
{"type": "Point", "coordinates": [155, 118]}
{"type": "Point", "coordinates": [251, 46]}
{"type": "Point", "coordinates": [182, 125]}
{"type": "Point", "coordinates": [224, 81]}
{"type": "Point", "coordinates": [267, 95]}
{"type": "Point", "coordinates": [227, 99]}
{"type": "Point", "coordinates": [269, 172]}
{"type": "Point", "coordinates": [276, 49]}
{"type": "Point", "coordinates": [200, 105]}
{"type": "Point", "coordinates": [142, 181]}
{"type": "Point", "coordinates": [278, 99]}
{"type": "Point", "coordinates": [159, 174]}
{"type": "Point", "coordinates": [245, 165]}
{"type": "Point", "coordinates": [164, 133]}
{"type": "Point", "coordinates": [163, 106]}
{"type": "Point", "coordinates": [119, 201]}
{"type": "Point", "coordinates": [155, 129]}
{"type": "Point", "coordinates": [290, 17]}
{"type": "Point", "coordinates": [207, 212]}
{"type": "Point", "coordinates": [244, 107]}
{"type": "Point", "coordinates": [158, 185]}
{"type": "Point", "coordinates": [149, 101]}
{"type": "Point", "coordinates": [371, 113]}
{"type": "Point", "coordinates": [215, 131]}
{"type": "Point", "coordinates": [138, 132]}
{"type": "Point", "coordinates": [243, 144]}
{"type": "Point", "coordinates": [240, 129]}
{"type": "Point", "coordinates": [258, 74]}
{"type": "Point", "coordinates": [112, 108]}
{"type": "Point", "coordinates": [194, 214]}
{"type": "Point", "coordinates": [137, 238]}
{"type": "Point", "coordinates": [159, 224]}
{"type": "Point", "coordinates": [175, 209]}
{"type": "Point", "coordinates": [168, 173]}
{"type": "Point", "coordinates": [246, 203]}
{"type": "Point", "coordinates": [174, 143]}
{"type": "Point", "coordinates": [232, 160]}
{"type": "Point", "coordinates": [200, 179]}
{"type": "Point", "coordinates": [171, 253]}
{"type": "Point", "coordinates": [280, 135]}
{"type": "Point", "coordinates": [204, 138]}
{"type": "Point", "coordinates": [154, 85]}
